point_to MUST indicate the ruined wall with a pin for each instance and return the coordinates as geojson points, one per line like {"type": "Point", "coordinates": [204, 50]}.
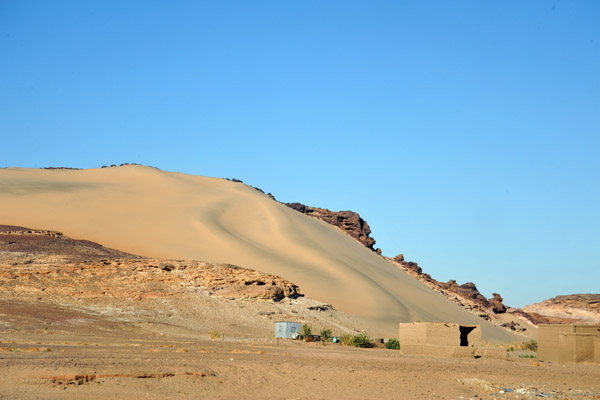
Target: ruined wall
{"type": "Point", "coordinates": [548, 336]}
{"type": "Point", "coordinates": [568, 343]}
{"type": "Point", "coordinates": [439, 334]}
{"type": "Point", "coordinates": [576, 347]}
{"type": "Point", "coordinates": [441, 339]}
{"type": "Point", "coordinates": [412, 333]}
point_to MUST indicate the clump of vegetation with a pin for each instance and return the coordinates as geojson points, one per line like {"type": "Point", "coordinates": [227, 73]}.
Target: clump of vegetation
{"type": "Point", "coordinates": [530, 345]}
{"type": "Point", "coordinates": [392, 344]}
{"type": "Point", "coordinates": [326, 334]}
{"type": "Point", "coordinates": [360, 340]}
{"type": "Point", "coordinates": [214, 335]}
{"type": "Point", "coordinates": [306, 331]}
{"type": "Point", "coordinates": [526, 356]}
{"type": "Point", "coordinates": [346, 339]}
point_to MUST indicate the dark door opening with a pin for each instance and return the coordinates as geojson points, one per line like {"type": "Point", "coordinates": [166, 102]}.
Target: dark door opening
{"type": "Point", "coordinates": [464, 334]}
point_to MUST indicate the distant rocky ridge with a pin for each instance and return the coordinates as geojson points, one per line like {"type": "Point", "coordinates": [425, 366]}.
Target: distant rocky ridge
{"type": "Point", "coordinates": [466, 295]}
{"type": "Point", "coordinates": [576, 308]}
{"type": "Point", "coordinates": [467, 290]}
{"type": "Point", "coordinates": [580, 308]}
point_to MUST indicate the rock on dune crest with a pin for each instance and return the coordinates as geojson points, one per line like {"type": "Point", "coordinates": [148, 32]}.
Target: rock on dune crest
{"type": "Point", "coordinates": [153, 213]}
{"type": "Point", "coordinates": [348, 221]}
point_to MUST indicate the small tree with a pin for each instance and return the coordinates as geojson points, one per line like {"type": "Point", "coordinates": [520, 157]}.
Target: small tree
{"type": "Point", "coordinates": [392, 344]}
{"type": "Point", "coordinates": [306, 331]}
{"type": "Point", "coordinates": [326, 334]}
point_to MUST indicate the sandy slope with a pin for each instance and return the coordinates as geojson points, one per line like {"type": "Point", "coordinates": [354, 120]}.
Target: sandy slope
{"type": "Point", "coordinates": [149, 212]}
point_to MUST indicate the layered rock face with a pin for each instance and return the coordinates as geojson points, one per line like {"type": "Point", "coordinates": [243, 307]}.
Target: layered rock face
{"type": "Point", "coordinates": [348, 221]}
{"type": "Point", "coordinates": [579, 308]}
{"type": "Point", "coordinates": [138, 279]}
{"type": "Point", "coordinates": [18, 240]}
{"type": "Point", "coordinates": [38, 261]}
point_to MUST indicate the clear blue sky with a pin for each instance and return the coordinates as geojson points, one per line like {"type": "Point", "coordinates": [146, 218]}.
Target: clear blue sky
{"type": "Point", "coordinates": [467, 133]}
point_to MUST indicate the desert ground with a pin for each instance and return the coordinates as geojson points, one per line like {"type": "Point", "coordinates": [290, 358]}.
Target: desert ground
{"type": "Point", "coordinates": [81, 321]}
{"type": "Point", "coordinates": [51, 352]}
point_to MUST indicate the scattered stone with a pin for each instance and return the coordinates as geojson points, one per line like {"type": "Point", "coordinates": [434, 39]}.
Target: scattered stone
{"type": "Point", "coordinates": [321, 307]}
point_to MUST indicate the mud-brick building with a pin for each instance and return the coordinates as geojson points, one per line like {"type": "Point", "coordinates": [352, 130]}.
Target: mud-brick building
{"type": "Point", "coordinates": [569, 343]}
{"type": "Point", "coordinates": [445, 339]}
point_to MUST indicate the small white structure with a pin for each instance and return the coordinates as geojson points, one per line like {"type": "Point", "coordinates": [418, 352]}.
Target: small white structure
{"type": "Point", "coordinates": [287, 330]}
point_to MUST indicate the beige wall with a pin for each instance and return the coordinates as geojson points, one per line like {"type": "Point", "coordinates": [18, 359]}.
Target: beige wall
{"type": "Point", "coordinates": [439, 339]}
{"type": "Point", "coordinates": [567, 343]}
{"type": "Point", "coordinates": [548, 346]}
{"type": "Point", "coordinates": [437, 334]}
{"type": "Point", "coordinates": [576, 347]}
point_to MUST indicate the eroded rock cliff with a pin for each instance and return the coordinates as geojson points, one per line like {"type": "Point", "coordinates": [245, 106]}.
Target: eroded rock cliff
{"type": "Point", "coordinates": [348, 221]}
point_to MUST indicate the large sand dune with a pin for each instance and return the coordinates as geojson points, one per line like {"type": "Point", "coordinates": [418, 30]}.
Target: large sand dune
{"type": "Point", "coordinates": [149, 212]}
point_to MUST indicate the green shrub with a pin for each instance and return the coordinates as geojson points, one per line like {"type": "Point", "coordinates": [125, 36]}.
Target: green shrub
{"type": "Point", "coordinates": [361, 340]}
{"type": "Point", "coordinates": [214, 335]}
{"type": "Point", "coordinates": [392, 344]}
{"type": "Point", "coordinates": [530, 345]}
{"type": "Point", "coordinates": [526, 356]}
{"type": "Point", "coordinates": [325, 334]}
{"type": "Point", "coordinates": [346, 339]}
{"type": "Point", "coordinates": [306, 331]}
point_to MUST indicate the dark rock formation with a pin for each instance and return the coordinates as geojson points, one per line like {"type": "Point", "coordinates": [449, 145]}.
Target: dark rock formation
{"type": "Point", "coordinates": [467, 290]}
{"type": "Point", "coordinates": [513, 326]}
{"type": "Point", "coordinates": [348, 221]}
{"type": "Point", "coordinates": [498, 306]}
{"type": "Point", "coordinates": [17, 239]}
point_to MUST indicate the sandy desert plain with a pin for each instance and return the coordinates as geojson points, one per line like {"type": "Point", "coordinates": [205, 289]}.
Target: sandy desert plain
{"type": "Point", "coordinates": [140, 296]}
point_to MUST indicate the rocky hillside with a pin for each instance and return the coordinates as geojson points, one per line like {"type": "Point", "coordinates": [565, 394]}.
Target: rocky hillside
{"type": "Point", "coordinates": [580, 308]}
{"type": "Point", "coordinates": [50, 263]}
{"type": "Point", "coordinates": [560, 310]}
{"type": "Point", "coordinates": [466, 295]}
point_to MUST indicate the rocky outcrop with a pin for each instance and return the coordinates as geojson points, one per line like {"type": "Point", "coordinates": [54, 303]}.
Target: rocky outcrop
{"type": "Point", "coordinates": [138, 279]}
{"type": "Point", "coordinates": [577, 308]}
{"type": "Point", "coordinates": [467, 290]}
{"type": "Point", "coordinates": [49, 263]}
{"type": "Point", "coordinates": [35, 242]}
{"type": "Point", "coordinates": [513, 326]}
{"type": "Point", "coordinates": [466, 295]}
{"type": "Point", "coordinates": [497, 303]}
{"type": "Point", "coordinates": [348, 221]}
{"type": "Point", "coordinates": [574, 308]}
